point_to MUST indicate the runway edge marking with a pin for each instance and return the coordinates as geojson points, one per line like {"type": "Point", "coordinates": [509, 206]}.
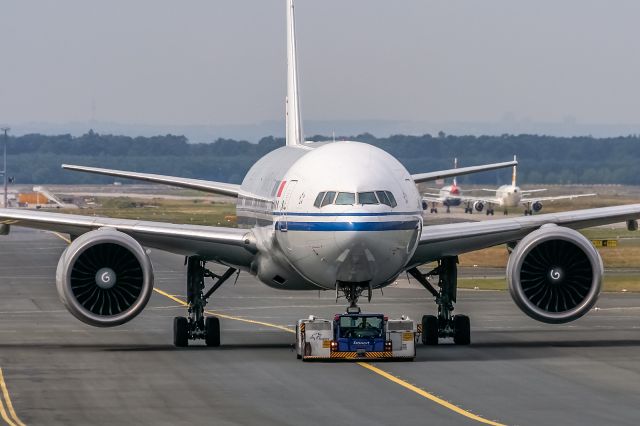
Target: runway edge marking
{"type": "Point", "coordinates": [14, 420]}
{"type": "Point", "coordinates": [368, 366]}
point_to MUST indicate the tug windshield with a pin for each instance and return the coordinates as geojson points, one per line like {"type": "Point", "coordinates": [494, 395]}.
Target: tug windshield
{"type": "Point", "coordinates": [361, 327]}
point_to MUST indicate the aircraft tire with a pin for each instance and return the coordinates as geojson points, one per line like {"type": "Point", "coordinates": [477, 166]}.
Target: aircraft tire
{"type": "Point", "coordinates": [461, 330]}
{"type": "Point", "coordinates": [429, 330]}
{"type": "Point", "coordinates": [212, 331]}
{"type": "Point", "coordinates": [180, 332]}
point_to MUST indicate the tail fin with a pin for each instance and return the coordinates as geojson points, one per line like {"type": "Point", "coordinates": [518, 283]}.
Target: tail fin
{"type": "Point", "coordinates": [455, 166]}
{"type": "Point", "coordinates": [294, 135]}
{"type": "Point", "coordinates": [513, 176]}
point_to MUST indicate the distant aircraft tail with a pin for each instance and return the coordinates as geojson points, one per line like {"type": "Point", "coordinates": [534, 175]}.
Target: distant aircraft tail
{"type": "Point", "coordinates": [294, 135]}
{"type": "Point", "coordinates": [513, 175]}
{"type": "Point", "coordinates": [455, 166]}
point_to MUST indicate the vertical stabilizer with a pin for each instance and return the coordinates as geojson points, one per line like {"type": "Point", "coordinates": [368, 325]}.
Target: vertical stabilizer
{"type": "Point", "coordinates": [455, 166]}
{"type": "Point", "coordinates": [513, 175]}
{"type": "Point", "coordinates": [294, 122]}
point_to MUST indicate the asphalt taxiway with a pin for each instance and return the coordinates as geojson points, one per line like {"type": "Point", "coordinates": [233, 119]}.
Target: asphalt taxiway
{"type": "Point", "coordinates": [56, 370]}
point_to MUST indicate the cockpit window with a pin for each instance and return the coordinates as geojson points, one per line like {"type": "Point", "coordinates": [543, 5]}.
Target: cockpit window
{"type": "Point", "coordinates": [392, 199]}
{"type": "Point", "coordinates": [384, 199]}
{"type": "Point", "coordinates": [328, 198]}
{"type": "Point", "coordinates": [367, 198]}
{"type": "Point", "coordinates": [318, 200]}
{"type": "Point", "coordinates": [345, 198]}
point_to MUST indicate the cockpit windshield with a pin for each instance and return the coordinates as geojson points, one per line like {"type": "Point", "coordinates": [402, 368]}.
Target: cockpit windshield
{"type": "Point", "coordinates": [345, 198]}
{"type": "Point", "coordinates": [326, 198]}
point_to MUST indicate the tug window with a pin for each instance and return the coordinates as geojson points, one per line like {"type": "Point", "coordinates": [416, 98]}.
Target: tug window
{"type": "Point", "coordinates": [367, 198]}
{"type": "Point", "coordinates": [318, 200]}
{"type": "Point", "coordinates": [391, 198]}
{"type": "Point", "coordinates": [384, 199]}
{"type": "Point", "coordinates": [328, 198]}
{"type": "Point", "coordinates": [345, 198]}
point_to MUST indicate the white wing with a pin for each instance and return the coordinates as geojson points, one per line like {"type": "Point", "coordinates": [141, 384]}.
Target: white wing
{"type": "Point", "coordinates": [560, 197]}
{"type": "Point", "coordinates": [221, 188]}
{"type": "Point", "coordinates": [229, 246]}
{"type": "Point", "coordinates": [453, 239]}
{"type": "Point", "coordinates": [442, 174]}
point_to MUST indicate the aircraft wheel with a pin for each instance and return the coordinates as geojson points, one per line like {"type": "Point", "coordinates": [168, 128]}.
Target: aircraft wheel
{"type": "Point", "coordinates": [212, 331]}
{"type": "Point", "coordinates": [461, 330]}
{"type": "Point", "coordinates": [429, 330]}
{"type": "Point", "coordinates": [180, 332]}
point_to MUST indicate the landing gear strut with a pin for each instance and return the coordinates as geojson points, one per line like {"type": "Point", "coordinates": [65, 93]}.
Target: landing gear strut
{"type": "Point", "coordinates": [352, 292]}
{"type": "Point", "coordinates": [197, 326]}
{"type": "Point", "coordinates": [445, 324]}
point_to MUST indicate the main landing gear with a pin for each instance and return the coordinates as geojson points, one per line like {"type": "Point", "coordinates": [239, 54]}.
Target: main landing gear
{"type": "Point", "coordinates": [197, 326]}
{"type": "Point", "coordinates": [445, 324]}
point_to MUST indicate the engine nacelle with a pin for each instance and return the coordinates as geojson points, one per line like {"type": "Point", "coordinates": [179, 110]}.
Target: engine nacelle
{"type": "Point", "coordinates": [537, 206]}
{"type": "Point", "coordinates": [555, 274]}
{"type": "Point", "coordinates": [104, 278]}
{"type": "Point", "coordinates": [478, 206]}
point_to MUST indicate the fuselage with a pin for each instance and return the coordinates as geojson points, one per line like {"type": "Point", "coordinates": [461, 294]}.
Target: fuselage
{"type": "Point", "coordinates": [508, 196]}
{"type": "Point", "coordinates": [450, 195]}
{"type": "Point", "coordinates": [338, 212]}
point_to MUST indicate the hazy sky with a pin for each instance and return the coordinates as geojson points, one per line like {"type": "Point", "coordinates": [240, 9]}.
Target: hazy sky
{"type": "Point", "coordinates": [223, 61]}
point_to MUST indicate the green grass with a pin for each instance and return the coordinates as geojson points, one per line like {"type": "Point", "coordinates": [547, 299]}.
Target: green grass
{"type": "Point", "coordinates": [614, 283]}
{"type": "Point", "coordinates": [193, 212]}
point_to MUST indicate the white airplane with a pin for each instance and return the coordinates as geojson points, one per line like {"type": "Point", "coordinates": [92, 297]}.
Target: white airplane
{"type": "Point", "coordinates": [510, 196]}
{"type": "Point", "coordinates": [343, 216]}
{"type": "Point", "coordinates": [448, 196]}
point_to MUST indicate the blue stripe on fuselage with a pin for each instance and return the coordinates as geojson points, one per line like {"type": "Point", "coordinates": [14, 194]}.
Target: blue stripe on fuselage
{"type": "Point", "coordinates": [349, 226]}
{"type": "Point", "coordinates": [355, 214]}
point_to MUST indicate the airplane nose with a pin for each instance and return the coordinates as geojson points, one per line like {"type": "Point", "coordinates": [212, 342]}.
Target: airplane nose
{"type": "Point", "coordinates": [372, 256]}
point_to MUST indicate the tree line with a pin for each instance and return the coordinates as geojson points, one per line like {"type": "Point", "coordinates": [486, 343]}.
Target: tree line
{"type": "Point", "coordinates": [543, 159]}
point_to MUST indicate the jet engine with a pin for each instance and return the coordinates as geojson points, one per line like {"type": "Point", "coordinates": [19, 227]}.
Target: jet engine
{"type": "Point", "coordinates": [555, 274]}
{"type": "Point", "coordinates": [104, 278]}
{"type": "Point", "coordinates": [537, 206]}
{"type": "Point", "coordinates": [478, 206]}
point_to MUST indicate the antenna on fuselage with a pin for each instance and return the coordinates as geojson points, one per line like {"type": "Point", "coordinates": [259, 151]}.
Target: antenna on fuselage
{"type": "Point", "coordinates": [294, 135]}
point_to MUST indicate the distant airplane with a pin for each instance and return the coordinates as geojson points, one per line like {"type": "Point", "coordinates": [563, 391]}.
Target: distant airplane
{"type": "Point", "coordinates": [448, 196]}
{"type": "Point", "coordinates": [509, 196]}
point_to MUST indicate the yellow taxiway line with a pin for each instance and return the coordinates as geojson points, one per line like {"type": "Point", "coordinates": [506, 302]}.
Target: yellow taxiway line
{"type": "Point", "coordinates": [428, 395]}
{"type": "Point", "coordinates": [9, 414]}
{"type": "Point", "coordinates": [368, 366]}
{"type": "Point", "coordinates": [266, 324]}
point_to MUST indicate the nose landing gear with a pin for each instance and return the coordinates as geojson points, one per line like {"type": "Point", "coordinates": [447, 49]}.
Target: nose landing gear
{"type": "Point", "coordinates": [445, 324]}
{"type": "Point", "coordinates": [352, 292]}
